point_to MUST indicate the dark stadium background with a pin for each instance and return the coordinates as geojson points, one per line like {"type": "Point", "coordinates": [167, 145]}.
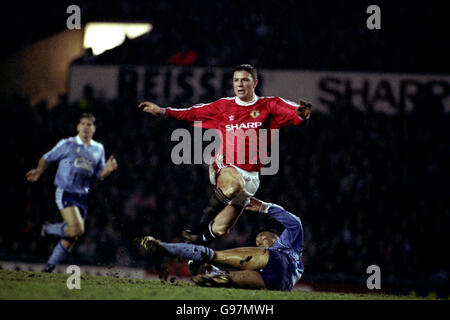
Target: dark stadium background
{"type": "Point", "coordinates": [370, 188]}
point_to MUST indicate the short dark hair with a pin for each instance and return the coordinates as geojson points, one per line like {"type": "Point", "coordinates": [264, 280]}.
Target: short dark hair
{"type": "Point", "coordinates": [87, 115]}
{"type": "Point", "coordinates": [249, 68]}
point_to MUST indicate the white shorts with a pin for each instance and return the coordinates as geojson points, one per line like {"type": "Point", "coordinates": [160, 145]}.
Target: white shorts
{"type": "Point", "coordinates": [251, 179]}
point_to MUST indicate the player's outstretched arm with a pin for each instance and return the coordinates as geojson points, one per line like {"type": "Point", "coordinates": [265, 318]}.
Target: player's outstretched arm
{"type": "Point", "coordinates": [288, 220]}
{"type": "Point", "coordinates": [110, 166]}
{"type": "Point", "coordinates": [34, 174]}
{"type": "Point", "coordinates": [152, 108]}
{"type": "Point", "coordinates": [257, 205]}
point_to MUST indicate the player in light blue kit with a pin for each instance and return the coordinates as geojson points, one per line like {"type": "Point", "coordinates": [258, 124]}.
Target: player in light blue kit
{"type": "Point", "coordinates": [79, 158]}
{"type": "Point", "coordinates": [275, 264]}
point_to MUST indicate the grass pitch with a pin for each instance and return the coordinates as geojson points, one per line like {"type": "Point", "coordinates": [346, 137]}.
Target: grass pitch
{"type": "Point", "coordinates": [22, 285]}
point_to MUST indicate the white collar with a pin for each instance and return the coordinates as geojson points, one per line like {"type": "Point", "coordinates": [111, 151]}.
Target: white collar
{"type": "Point", "coordinates": [243, 103]}
{"type": "Point", "coordinates": [79, 141]}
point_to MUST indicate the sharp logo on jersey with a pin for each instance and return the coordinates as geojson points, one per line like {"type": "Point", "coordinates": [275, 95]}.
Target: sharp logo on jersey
{"type": "Point", "coordinates": [83, 163]}
{"type": "Point", "coordinates": [248, 125]}
{"type": "Point", "coordinates": [255, 113]}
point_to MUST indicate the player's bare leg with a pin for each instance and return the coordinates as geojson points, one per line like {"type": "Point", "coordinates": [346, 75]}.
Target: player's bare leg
{"type": "Point", "coordinates": [193, 233]}
{"type": "Point", "coordinates": [225, 220]}
{"type": "Point", "coordinates": [75, 226]}
{"type": "Point", "coordinates": [74, 222]}
{"type": "Point", "coordinates": [248, 279]}
{"type": "Point", "coordinates": [69, 231]}
{"type": "Point", "coordinates": [248, 258]}
{"type": "Point", "coordinates": [230, 183]}
{"type": "Point", "coordinates": [217, 224]}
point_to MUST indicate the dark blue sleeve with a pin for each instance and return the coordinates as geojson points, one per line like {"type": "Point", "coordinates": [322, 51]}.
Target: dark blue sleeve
{"type": "Point", "coordinates": [292, 236]}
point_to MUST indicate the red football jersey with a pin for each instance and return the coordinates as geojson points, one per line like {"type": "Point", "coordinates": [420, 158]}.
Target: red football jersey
{"type": "Point", "coordinates": [239, 124]}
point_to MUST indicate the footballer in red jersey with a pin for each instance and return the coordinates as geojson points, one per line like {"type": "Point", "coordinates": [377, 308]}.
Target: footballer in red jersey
{"type": "Point", "coordinates": [235, 181]}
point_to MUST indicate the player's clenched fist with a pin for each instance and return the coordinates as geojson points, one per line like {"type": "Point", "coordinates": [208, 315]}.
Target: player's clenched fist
{"type": "Point", "coordinates": [305, 109]}
{"type": "Point", "coordinates": [111, 164]}
{"type": "Point", "coordinates": [151, 108]}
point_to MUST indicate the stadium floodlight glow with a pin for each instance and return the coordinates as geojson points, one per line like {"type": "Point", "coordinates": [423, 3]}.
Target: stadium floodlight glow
{"type": "Point", "coordinates": [102, 36]}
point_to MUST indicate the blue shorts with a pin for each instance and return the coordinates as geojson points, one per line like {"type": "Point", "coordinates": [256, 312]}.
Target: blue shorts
{"type": "Point", "coordinates": [66, 199]}
{"type": "Point", "coordinates": [276, 273]}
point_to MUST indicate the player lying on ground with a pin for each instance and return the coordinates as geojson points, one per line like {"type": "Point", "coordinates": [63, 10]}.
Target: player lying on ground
{"type": "Point", "coordinates": [276, 262]}
{"type": "Point", "coordinates": [79, 158]}
{"type": "Point", "coordinates": [234, 183]}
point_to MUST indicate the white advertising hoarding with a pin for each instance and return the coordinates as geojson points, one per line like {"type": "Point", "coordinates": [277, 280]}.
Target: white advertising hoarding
{"type": "Point", "coordinates": [182, 86]}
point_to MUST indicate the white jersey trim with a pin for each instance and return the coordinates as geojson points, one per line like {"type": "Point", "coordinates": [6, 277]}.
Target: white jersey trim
{"type": "Point", "coordinates": [243, 103]}
{"type": "Point", "coordinates": [58, 198]}
{"type": "Point", "coordinates": [292, 103]}
{"type": "Point", "coordinates": [91, 143]}
{"type": "Point", "coordinates": [195, 106]}
{"type": "Point", "coordinates": [59, 144]}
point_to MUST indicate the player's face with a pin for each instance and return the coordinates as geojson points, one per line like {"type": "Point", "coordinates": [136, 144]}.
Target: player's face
{"type": "Point", "coordinates": [266, 239]}
{"type": "Point", "coordinates": [244, 85]}
{"type": "Point", "coordinates": [86, 128]}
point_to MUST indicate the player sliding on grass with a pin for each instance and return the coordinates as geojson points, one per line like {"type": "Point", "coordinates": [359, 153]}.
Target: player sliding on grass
{"type": "Point", "coordinates": [234, 182]}
{"type": "Point", "coordinates": [276, 262]}
{"type": "Point", "coordinates": [79, 159]}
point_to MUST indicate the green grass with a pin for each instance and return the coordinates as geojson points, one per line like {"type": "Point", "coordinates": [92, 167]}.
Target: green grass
{"type": "Point", "coordinates": [22, 285]}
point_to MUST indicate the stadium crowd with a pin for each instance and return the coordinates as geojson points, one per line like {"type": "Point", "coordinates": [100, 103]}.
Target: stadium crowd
{"type": "Point", "coordinates": [225, 33]}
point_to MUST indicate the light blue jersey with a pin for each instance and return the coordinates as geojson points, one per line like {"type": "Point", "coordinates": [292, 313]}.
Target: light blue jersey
{"type": "Point", "coordinates": [77, 163]}
{"type": "Point", "coordinates": [290, 242]}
